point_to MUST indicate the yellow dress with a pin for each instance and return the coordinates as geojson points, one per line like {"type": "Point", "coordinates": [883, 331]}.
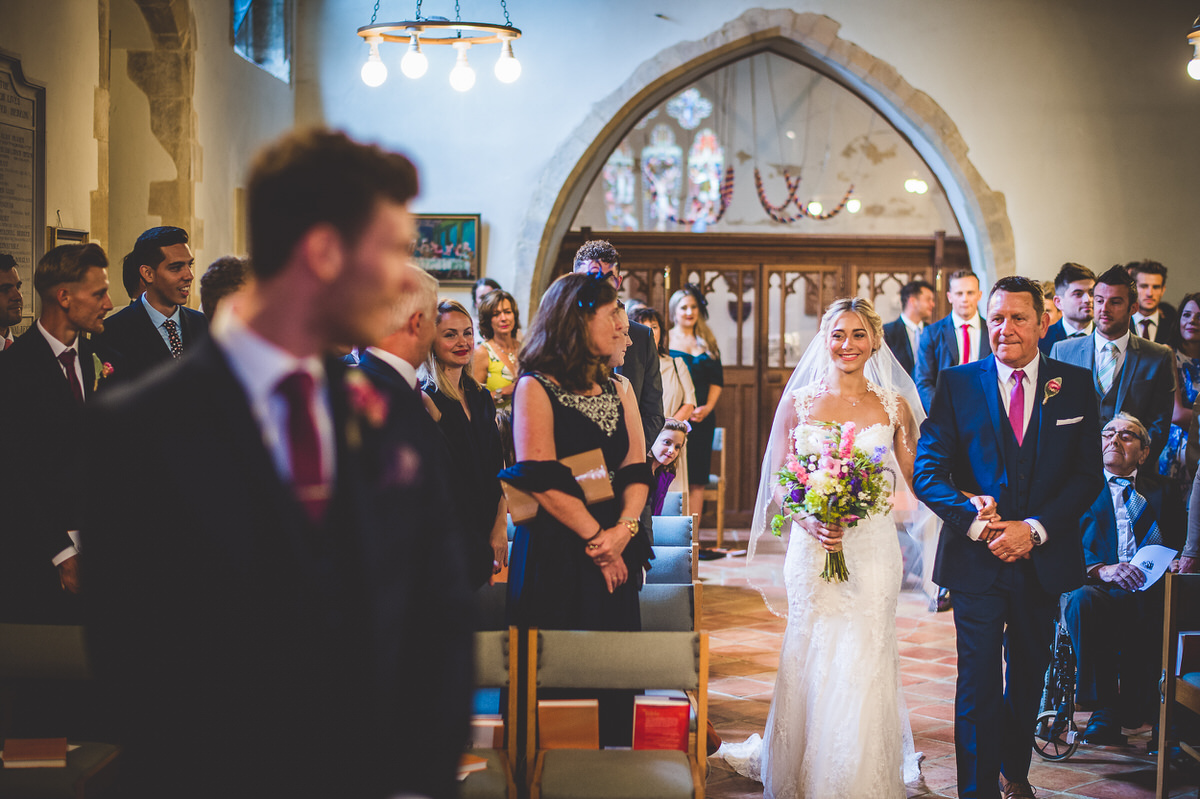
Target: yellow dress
{"type": "Point", "coordinates": [498, 376]}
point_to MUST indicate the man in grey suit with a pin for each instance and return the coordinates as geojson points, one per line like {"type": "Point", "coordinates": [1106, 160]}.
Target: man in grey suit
{"type": "Point", "coordinates": [1129, 373]}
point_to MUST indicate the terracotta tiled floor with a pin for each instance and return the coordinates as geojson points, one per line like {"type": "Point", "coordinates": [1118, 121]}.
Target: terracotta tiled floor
{"type": "Point", "coordinates": [744, 641]}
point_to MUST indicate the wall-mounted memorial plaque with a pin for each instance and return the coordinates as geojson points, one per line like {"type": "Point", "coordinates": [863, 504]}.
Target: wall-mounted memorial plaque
{"type": "Point", "coordinates": [22, 173]}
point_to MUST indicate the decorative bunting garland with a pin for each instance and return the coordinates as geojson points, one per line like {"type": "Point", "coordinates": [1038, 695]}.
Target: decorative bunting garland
{"type": "Point", "coordinates": [793, 185]}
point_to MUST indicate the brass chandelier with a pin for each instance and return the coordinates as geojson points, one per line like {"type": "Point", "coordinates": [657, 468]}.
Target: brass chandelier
{"type": "Point", "coordinates": [438, 30]}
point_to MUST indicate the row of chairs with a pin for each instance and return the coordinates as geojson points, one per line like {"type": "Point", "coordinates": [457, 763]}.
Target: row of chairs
{"type": "Point", "coordinates": [567, 659]}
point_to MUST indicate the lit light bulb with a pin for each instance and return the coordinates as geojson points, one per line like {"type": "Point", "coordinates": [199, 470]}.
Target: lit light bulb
{"type": "Point", "coordinates": [815, 208]}
{"type": "Point", "coordinates": [1194, 68]}
{"type": "Point", "coordinates": [462, 77]}
{"type": "Point", "coordinates": [508, 68]}
{"type": "Point", "coordinates": [922, 186]}
{"type": "Point", "coordinates": [414, 64]}
{"type": "Point", "coordinates": [853, 205]}
{"type": "Point", "coordinates": [374, 72]}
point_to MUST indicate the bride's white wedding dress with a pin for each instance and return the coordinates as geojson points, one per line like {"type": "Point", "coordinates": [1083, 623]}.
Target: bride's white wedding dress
{"type": "Point", "coordinates": [838, 726]}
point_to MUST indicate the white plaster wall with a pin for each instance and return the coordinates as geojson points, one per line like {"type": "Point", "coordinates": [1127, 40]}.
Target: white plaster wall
{"type": "Point", "coordinates": [239, 108]}
{"type": "Point", "coordinates": [57, 42]}
{"type": "Point", "coordinates": [1079, 111]}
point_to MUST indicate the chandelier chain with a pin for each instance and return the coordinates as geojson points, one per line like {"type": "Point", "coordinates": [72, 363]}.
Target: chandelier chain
{"type": "Point", "coordinates": [457, 15]}
{"type": "Point", "coordinates": [504, 7]}
{"type": "Point", "coordinates": [418, 16]}
{"type": "Point", "coordinates": [375, 13]}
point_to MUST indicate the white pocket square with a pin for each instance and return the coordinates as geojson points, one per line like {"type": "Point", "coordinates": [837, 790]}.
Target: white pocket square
{"type": "Point", "coordinates": [1072, 420]}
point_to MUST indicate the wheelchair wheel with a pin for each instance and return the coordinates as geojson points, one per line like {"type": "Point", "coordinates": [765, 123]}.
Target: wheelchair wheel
{"type": "Point", "coordinates": [1055, 738]}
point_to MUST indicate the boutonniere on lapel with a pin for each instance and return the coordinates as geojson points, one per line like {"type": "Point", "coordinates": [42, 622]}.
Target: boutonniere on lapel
{"type": "Point", "coordinates": [367, 405]}
{"type": "Point", "coordinates": [1053, 386]}
{"type": "Point", "coordinates": [102, 370]}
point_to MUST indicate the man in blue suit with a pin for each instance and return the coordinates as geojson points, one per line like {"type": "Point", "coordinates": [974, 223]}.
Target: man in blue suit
{"type": "Point", "coordinates": [1114, 625]}
{"type": "Point", "coordinates": [954, 340]}
{"type": "Point", "coordinates": [1074, 286]}
{"type": "Point", "coordinates": [903, 335]}
{"type": "Point", "coordinates": [1130, 373]}
{"type": "Point", "coordinates": [1022, 430]}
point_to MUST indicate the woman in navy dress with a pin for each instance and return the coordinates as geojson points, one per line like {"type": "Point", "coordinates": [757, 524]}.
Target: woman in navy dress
{"type": "Point", "coordinates": [693, 341]}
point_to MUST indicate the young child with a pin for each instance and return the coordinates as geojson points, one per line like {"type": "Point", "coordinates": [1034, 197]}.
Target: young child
{"type": "Point", "coordinates": [665, 454]}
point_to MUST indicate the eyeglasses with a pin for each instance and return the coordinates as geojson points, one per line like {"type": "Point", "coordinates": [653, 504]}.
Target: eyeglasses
{"type": "Point", "coordinates": [1128, 436]}
{"type": "Point", "coordinates": [596, 270]}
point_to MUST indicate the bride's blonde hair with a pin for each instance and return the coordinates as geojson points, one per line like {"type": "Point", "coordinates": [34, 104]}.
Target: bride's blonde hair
{"type": "Point", "coordinates": [865, 311]}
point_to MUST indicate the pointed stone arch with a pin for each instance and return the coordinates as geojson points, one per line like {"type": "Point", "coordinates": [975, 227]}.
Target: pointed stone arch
{"type": "Point", "coordinates": [812, 40]}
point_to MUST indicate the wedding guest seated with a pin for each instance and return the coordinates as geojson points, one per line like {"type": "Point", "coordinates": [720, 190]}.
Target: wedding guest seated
{"type": "Point", "coordinates": [494, 365]}
{"type": "Point", "coordinates": [1114, 625]}
{"type": "Point", "coordinates": [467, 416]}
{"type": "Point", "coordinates": [665, 460]}
{"type": "Point", "coordinates": [224, 276]}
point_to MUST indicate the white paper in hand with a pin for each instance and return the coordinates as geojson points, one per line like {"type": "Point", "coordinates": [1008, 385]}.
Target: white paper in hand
{"type": "Point", "coordinates": [1153, 560]}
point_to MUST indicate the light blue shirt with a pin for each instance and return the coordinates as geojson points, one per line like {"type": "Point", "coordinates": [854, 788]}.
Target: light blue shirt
{"type": "Point", "coordinates": [158, 320]}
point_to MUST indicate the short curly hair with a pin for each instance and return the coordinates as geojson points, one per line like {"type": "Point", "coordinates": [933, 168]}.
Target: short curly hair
{"type": "Point", "coordinates": [596, 250]}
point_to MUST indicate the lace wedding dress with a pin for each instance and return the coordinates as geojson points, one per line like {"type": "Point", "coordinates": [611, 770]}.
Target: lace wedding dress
{"type": "Point", "coordinates": [838, 725]}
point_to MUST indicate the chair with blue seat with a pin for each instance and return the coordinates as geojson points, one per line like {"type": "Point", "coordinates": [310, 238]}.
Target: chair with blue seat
{"type": "Point", "coordinates": [670, 608]}
{"type": "Point", "coordinates": [496, 668]}
{"type": "Point", "coordinates": [672, 565]}
{"type": "Point", "coordinates": [580, 660]}
{"type": "Point", "coordinates": [49, 654]}
{"type": "Point", "coordinates": [673, 504]}
{"type": "Point", "coordinates": [1180, 683]}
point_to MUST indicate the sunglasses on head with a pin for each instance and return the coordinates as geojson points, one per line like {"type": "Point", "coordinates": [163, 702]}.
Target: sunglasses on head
{"type": "Point", "coordinates": [589, 292]}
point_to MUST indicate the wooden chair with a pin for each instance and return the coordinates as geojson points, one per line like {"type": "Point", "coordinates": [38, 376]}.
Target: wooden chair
{"type": "Point", "coordinates": [716, 484]}
{"type": "Point", "coordinates": [670, 608]}
{"type": "Point", "coordinates": [37, 653]}
{"type": "Point", "coordinates": [1181, 615]}
{"type": "Point", "coordinates": [622, 661]}
{"type": "Point", "coordinates": [496, 667]}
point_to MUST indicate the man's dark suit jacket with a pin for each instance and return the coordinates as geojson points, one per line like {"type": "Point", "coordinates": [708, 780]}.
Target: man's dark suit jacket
{"type": "Point", "coordinates": [644, 374]}
{"type": "Point", "coordinates": [1167, 316]}
{"type": "Point", "coordinates": [131, 333]}
{"type": "Point", "coordinates": [1054, 334]}
{"type": "Point", "coordinates": [1145, 388]}
{"type": "Point", "coordinates": [41, 490]}
{"type": "Point", "coordinates": [895, 334]}
{"type": "Point", "coordinates": [940, 349]}
{"type": "Point", "coordinates": [248, 648]}
{"type": "Point", "coordinates": [962, 449]}
{"type": "Point", "coordinates": [1100, 522]}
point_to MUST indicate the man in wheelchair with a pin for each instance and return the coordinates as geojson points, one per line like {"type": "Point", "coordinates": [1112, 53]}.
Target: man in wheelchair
{"type": "Point", "coordinates": [1115, 627]}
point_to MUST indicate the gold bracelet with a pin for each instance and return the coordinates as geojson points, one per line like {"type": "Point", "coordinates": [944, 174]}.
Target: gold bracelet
{"type": "Point", "coordinates": [633, 524]}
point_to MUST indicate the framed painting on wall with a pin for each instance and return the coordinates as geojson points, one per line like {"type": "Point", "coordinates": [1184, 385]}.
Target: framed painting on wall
{"type": "Point", "coordinates": [448, 247]}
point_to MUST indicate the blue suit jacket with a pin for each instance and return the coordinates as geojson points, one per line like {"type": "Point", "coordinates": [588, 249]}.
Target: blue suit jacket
{"type": "Point", "coordinates": [1055, 334]}
{"type": "Point", "coordinates": [940, 350]}
{"type": "Point", "coordinates": [962, 449]}
{"type": "Point", "coordinates": [1146, 387]}
{"type": "Point", "coordinates": [896, 336]}
{"type": "Point", "coordinates": [1100, 521]}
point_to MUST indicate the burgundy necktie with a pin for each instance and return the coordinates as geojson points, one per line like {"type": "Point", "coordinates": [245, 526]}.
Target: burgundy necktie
{"type": "Point", "coordinates": [1146, 328]}
{"type": "Point", "coordinates": [67, 359]}
{"type": "Point", "coordinates": [8, 342]}
{"type": "Point", "coordinates": [966, 344]}
{"type": "Point", "coordinates": [304, 446]}
{"type": "Point", "coordinates": [1016, 406]}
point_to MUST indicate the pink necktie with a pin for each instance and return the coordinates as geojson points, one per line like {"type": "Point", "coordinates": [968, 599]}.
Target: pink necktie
{"type": "Point", "coordinates": [1016, 406]}
{"type": "Point", "coordinates": [304, 446]}
{"type": "Point", "coordinates": [966, 344]}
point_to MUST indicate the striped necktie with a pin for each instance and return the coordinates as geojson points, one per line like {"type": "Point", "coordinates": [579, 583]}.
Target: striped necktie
{"type": "Point", "coordinates": [1141, 515]}
{"type": "Point", "coordinates": [1107, 367]}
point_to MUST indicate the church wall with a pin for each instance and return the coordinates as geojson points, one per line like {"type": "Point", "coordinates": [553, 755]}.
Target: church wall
{"type": "Point", "coordinates": [1080, 113]}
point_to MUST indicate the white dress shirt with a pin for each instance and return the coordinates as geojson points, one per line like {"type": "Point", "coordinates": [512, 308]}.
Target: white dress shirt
{"type": "Point", "coordinates": [158, 319]}
{"type": "Point", "coordinates": [406, 369]}
{"type": "Point", "coordinates": [914, 333]}
{"type": "Point", "coordinates": [1071, 330]}
{"type": "Point", "coordinates": [259, 365]}
{"type": "Point", "coordinates": [1007, 381]}
{"type": "Point", "coordinates": [975, 333]}
{"type": "Point", "coordinates": [1122, 345]}
{"type": "Point", "coordinates": [1126, 542]}
{"type": "Point", "coordinates": [1155, 319]}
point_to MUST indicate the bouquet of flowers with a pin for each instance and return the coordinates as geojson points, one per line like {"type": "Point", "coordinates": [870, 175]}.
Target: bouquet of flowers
{"type": "Point", "coordinates": [838, 485]}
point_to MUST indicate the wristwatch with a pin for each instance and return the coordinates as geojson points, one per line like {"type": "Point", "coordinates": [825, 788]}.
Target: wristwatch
{"type": "Point", "coordinates": [1034, 535]}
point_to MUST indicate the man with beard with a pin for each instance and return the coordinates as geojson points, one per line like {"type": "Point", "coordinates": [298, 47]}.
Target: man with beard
{"type": "Point", "coordinates": [11, 301]}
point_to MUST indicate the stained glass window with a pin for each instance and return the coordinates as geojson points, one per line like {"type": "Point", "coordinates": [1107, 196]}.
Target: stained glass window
{"type": "Point", "coordinates": [662, 178]}
{"type": "Point", "coordinates": [620, 189]}
{"type": "Point", "coordinates": [689, 108]}
{"type": "Point", "coordinates": [705, 164]}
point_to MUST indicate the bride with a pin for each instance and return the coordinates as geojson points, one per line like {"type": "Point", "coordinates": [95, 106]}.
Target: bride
{"type": "Point", "coordinates": [838, 725]}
